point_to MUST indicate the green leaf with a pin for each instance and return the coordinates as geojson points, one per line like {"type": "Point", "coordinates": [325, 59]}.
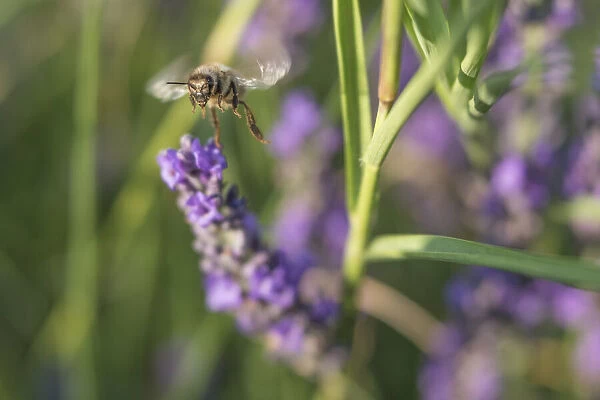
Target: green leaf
{"type": "Point", "coordinates": [491, 90]}
{"type": "Point", "coordinates": [356, 106]}
{"type": "Point", "coordinates": [429, 24]}
{"type": "Point", "coordinates": [477, 42]}
{"type": "Point", "coordinates": [567, 270]}
{"type": "Point", "coordinates": [428, 28]}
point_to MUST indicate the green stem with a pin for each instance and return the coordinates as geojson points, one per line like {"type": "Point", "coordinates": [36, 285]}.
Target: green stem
{"type": "Point", "coordinates": [354, 91]}
{"type": "Point", "coordinates": [359, 225]}
{"type": "Point", "coordinates": [73, 342]}
{"type": "Point", "coordinates": [389, 71]}
{"type": "Point", "coordinates": [391, 55]}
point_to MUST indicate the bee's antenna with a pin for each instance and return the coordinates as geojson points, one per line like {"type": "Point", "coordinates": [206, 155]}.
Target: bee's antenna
{"type": "Point", "coordinates": [176, 83]}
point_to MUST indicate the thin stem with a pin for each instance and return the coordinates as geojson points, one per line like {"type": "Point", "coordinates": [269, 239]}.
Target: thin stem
{"type": "Point", "coordinates": [79, 302]}
{"type": "Point", "coordinates": [354, 91]}
{"type": "Point", "coordinates": [359, 225]}
{"type": "Point", "coordinates": [399, 312]}
{"type": "Point", "coordinates": [391, 53]}
{"type": "Point", "coordinates": [391, 21]}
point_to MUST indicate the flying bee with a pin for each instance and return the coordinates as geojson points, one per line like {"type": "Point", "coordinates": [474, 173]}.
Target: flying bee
{"type": "Point", "coordinates": [219, 87]}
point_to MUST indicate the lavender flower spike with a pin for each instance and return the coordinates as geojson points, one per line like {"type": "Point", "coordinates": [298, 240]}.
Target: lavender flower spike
{"type": "Point", "coordinates": [262, 288]}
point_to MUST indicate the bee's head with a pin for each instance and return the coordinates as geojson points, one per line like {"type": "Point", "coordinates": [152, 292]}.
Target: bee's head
{"type": "Point", "coordinates": [199, 89]}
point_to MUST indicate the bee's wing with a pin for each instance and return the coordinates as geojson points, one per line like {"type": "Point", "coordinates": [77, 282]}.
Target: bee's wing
{"type": "Point", "coordinates": [271, 63]}
{"type": "Point", "coordinates": [159, 87]}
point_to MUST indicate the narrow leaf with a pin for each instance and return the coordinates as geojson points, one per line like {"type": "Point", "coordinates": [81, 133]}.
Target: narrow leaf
{"type": "Point", "coordinates": [477, 42]}
{"type": "Point", "coordinates": [491, 90]}
{"type": "Point", "coordinates": [427, 27]}
{"type": "Point", "coordinates": [567, 270]}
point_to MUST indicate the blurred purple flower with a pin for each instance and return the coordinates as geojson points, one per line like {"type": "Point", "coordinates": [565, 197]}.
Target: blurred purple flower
{"type": "Point", "coordinates": [489, 307]}
{"type": "Point", "coordinates": [312, 218]}
{"type": "Point", "coordinates": [436, 134]}
{"type": "Point", "coordinates": [507, 209]}
{"type": "Point", "coordinates": [287, 335]}
{"type": "Point", "coordinates": [300, 117]}
{"type": "Point", "coordinates": [468, 371]}
{"type": "Point", "coordinates": [223, 293]}
{"type": "Point", "coordinates": [582, 176]}
{"type": "Point", "coordinates": [261, 287]}
{"type": "Point", "coordinates": [530, 27]}
{"type": "Point", "coordinates": [554, 14]}
{"type": "Point", "coordinates": [573, 308]}
{"type": "Point", "coordinates": [587, 357]}
{"type": "Point", "coordinates": [286, 21]}
{"type": "Point", "coordinates": [272, 286]}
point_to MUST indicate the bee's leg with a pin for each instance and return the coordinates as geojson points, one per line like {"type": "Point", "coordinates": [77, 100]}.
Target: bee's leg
{"type": "Point", "coordinates": [193, 101]}
{"type": "Point", "coordinates": [219, 100]}
{"type": "Point", "coordinates": [203, 112]}
{"type": "Point", "coordinates": [235, 101]}
{"type": "Point", "coordinates": [252, 124]}
{"type": "Point", "coordinates": [215, 123]}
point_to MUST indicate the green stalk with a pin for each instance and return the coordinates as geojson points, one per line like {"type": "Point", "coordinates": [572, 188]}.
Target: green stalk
{"type": "Point", "coordinates": [354, 90]}
{"type": "Point", "coordinates": [416, 90]}
{"type": "Point", "coordinates": [73, 342]}
{"type": "Point", "coordinates": [360, 221]}
{"type": "Point", "coordinates": [391, 55]}
{"type": "Point", "coordinates": [389, 72]}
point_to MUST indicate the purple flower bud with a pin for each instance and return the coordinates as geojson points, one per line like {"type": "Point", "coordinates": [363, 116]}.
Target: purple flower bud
{"type": "Point", "coordinates": [324, 310]}
{"type": "Point", "coordinates": [287, 336]}
{"type": "Point", "coordinates": [272, 285]}
{"type": "Point", "coordinates": [203, 210]}
{"type": "Point", "coordinates": [222, 292]}
{"type": "Point", "coordinates": [169, 168]}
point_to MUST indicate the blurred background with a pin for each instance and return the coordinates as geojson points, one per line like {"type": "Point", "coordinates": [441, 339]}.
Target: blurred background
{"type": "Point", "coordinates": [100, 293]}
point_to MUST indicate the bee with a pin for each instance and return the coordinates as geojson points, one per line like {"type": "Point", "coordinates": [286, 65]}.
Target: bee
{"type": "Point", "coordinates": [219, 87]}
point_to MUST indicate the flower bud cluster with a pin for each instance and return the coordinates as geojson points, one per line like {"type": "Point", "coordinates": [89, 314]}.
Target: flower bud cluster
{"type": "Point", "coordinates": [291, 305]}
